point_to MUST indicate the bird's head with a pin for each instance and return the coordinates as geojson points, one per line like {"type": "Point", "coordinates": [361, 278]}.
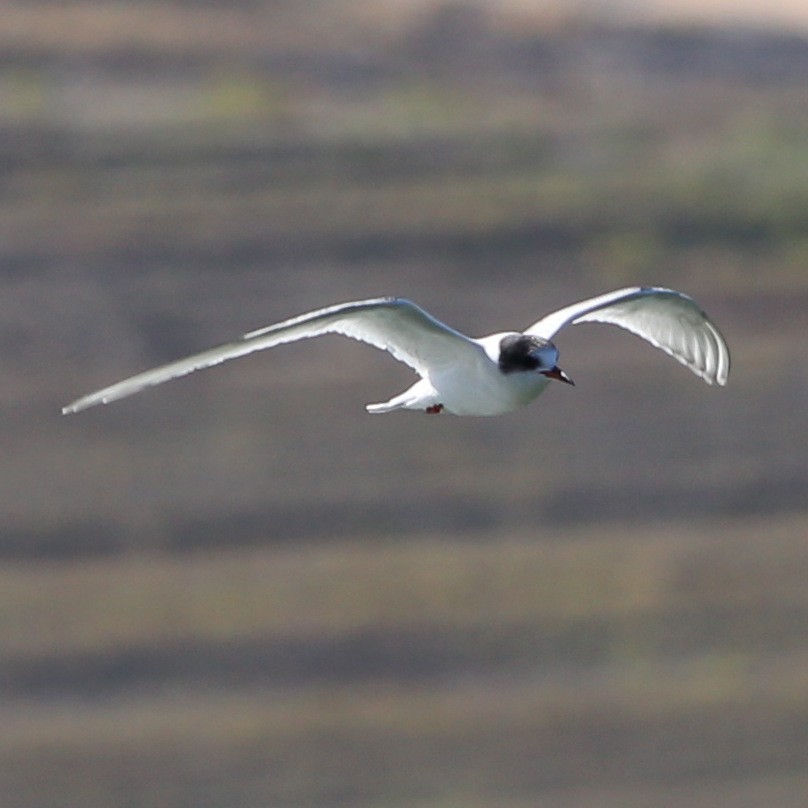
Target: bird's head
{"type": "Point", "coordinates": [525, 353]}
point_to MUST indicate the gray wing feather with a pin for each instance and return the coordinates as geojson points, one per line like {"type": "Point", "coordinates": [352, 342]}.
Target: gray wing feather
{"type": "Point", "coordinates": [667, 319]}
{"type": "Point", "coordinates": [396, 325]}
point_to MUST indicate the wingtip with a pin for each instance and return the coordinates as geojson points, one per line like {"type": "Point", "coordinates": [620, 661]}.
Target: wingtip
{"type": "Point", "coordinates": [716, 378]}
{"type": "Point", "coordinates": [81, 404]}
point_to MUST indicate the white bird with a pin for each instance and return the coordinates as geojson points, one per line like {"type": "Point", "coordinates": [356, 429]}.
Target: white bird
{"type": "Point", "coordinates": [464, 376]}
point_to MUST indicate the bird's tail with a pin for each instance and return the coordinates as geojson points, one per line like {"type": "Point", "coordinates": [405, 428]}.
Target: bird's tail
{"type": "Point", "coordinates": [385, 406]}
{"type": "Point", "coordinates": [418, 397]}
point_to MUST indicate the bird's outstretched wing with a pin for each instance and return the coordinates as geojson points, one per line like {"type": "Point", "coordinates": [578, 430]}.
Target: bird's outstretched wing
{"type": "Point", "coordinates": [667, 319]}
{"type": "Point", "coordinates": [396, 325]}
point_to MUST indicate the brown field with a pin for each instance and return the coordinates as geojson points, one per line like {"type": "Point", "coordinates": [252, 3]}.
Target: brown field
{"type": "Point", "coordinates": [241, 590]}
{"type": "Point", "coordinates": [661, 664]}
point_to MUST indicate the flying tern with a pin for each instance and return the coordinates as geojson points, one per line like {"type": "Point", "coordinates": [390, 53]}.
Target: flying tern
{"type": "Point", "coordinates": [458, 374]}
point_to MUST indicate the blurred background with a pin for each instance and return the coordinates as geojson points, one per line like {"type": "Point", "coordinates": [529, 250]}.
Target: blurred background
{"type": "Point", "coordinates": [240, 589]}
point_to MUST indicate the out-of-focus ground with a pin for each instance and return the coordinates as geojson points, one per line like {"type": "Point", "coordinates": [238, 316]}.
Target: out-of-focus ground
{"type": "Point", "coordinates": [242, 590]}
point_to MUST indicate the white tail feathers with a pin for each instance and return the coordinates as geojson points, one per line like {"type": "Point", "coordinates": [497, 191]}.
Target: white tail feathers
{"type": "Point", "coordinates": [386, 406]}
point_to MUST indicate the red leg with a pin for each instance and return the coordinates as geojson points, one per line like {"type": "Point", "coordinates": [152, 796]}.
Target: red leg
{"type": "Point", "coordinates": [434, 409]}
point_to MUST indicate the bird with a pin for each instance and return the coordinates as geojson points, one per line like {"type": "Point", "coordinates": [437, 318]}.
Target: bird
{"type": "Point", "coordinates": [461, 375]}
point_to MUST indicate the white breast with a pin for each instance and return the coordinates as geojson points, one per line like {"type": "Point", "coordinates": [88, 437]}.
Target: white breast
{"type": "Point", "coordinates": [484, 389]}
